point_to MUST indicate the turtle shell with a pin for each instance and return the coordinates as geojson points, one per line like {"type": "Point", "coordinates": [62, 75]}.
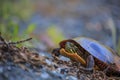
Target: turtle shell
{"type": "Point", "coordinates": [96, 49]}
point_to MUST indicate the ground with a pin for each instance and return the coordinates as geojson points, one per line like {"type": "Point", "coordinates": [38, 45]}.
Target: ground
{"type": "Point", "coordinates": [22, 63]}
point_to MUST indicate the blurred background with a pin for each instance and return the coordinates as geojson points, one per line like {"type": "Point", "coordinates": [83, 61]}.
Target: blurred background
{"type": "Point", "coordinates": [50, 21]}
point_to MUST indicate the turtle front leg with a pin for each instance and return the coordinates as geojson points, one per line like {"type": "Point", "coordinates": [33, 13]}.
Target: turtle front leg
{"type": "Point", "coordinates": [90, 63]}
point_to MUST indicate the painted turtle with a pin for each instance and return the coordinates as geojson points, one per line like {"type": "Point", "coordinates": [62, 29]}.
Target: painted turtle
{"type": "Point", "coordinates": [91, 53]}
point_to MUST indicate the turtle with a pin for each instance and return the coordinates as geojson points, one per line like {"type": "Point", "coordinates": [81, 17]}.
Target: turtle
{"type": "Point", "coordinates": [91, 53]}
